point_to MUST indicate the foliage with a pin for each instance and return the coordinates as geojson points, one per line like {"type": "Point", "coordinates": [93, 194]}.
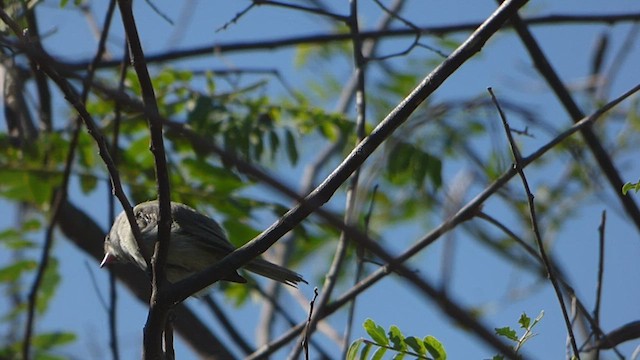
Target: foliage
{"type": "Point", "coordinates": [631, 186]}
{"type": "Point", "coordinates": [446, 152]}
{"type": "Point", "coordinates": [525, 324]}
{"type": "Point", "coordinates": [17, 243]}
{"type": "Point", "coordinates": [411, 347]}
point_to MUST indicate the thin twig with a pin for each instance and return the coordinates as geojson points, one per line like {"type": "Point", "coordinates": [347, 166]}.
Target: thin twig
{"type": "Point", "coordinates": [263, 44]}
{"type": "Point", "coordinates": [618, 59]}
{"type": "Point", "coordinates": [596, 307]}
{"type": "Point", "coordinates": [559, 274]}
{"type": "Point", "coordinates": [227, 324]}
{"type": "Point", "coordinates": [279, 309]}
{"type": "Point", "coordinates": [360, 261]}
{"type": "Point", "coordinates": [237, 17]}
{"type": "Point", "coordinates": [313, 10]}
{"type": "Point", "coordinates": [534, 224]}
{"type": "Point", "coordinates": [595, 146]}
{"type": "Point", "coordinates": [157, 10]}
{"type": "Point", "coordinates": [306, 334]}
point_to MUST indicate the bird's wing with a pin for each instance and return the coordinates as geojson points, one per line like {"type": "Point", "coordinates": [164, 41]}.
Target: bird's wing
{"type": "Point", "coordinates": [202, 228]}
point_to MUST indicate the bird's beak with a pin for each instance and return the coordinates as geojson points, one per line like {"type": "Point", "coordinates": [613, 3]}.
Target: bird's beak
{"type": "Point", "coordinates": [108, 259]}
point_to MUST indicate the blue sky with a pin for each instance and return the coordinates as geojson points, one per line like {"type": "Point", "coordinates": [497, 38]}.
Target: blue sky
{"type": "Point", "coordinates": [480, 279]}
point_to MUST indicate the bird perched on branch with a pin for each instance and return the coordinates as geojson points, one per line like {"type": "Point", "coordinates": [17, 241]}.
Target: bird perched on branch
{"type": "Point", "coordinates": [197, 242]}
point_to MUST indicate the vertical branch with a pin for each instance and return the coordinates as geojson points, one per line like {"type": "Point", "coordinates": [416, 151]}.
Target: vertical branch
{"type": "Point", "coordinates": [59, 194]}
{"type": "Point", "coordinates": [158, 305]}
{"type": "Point", "coordinates": [596, 307]}
{"type": "Point", "coordinates": [359, 76]}
{"type": "Point", "coordinates": [42, 86]}
{"type": "Point", "coordinates": [518, 165]}
{"type": "Point", "coordinates": [113, 335]}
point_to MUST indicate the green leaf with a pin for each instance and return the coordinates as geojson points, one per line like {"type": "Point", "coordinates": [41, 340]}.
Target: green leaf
{"type": "Point", "coordinates": [274, 143]}
{"type": "Point", "coordinates": [239, 233]}
{"type": "Point", "coordinates": [51, 340]}
{"type": "Point", "coordinates": [397, 339]}
{"type": "Point", "coordinates": [48, 286]}
{"type": "Point", "coordinates": [49, 356]}
{"type": "Point", "coordinates": [218, 178]}
{"type": "Point", "coordinates": [630, 186]}
{"type": "Point", "coordinates": [507, 332]}
{"type": "Point", "coordinates": [27, 185]}
{"type": "Point", "coordinates": [416, 345]}
{"type": "Point", "coordinates": [353, 349]}
{"type": "Point", "coordinates": [524, 321]}
{"type": "Point", "coordinates": [379, 354]}
{"type": "Point", "coordinates": [87, 152]}
{"type": "Point", "coordinates": [237, 293]}
{"type": "Point", "coordinates": [399, 160]}
{"type": "Point", "coordinates": [364, 353]}
{"type": "Point", "coordinates": [435, 348]}
{"type": "Point", "coordinates": [408, 162]}
{"type": "Point", "coordinates": [434, 169]}
{"type": "Point", "coordinates": [32, 225]}
{"type": "Point", "coordinates": [88, 183]}
{"type": "Point", "coordinates": [13, 239]}
{"type": "Point", "coordinates": [15, 270]}
{"type": "Point", "coordinates": [290, 143]}
{"type": "Point", "coordinates": [376, 332]}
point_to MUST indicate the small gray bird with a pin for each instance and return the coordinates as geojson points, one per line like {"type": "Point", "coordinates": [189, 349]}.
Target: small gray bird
{"type": "Point", "coordinates": [197, 242]}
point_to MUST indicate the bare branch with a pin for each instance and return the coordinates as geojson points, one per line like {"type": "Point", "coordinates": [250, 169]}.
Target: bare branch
{"type": "Point", "coordinates": [159, 306]}
{"type": "Point", "coordinates": [603, 159]}
{"type": "Point", "coordinates": [466, 212]}
{"type": "Point", "coordinates": [263, 44]}
{"type": "Point", "coordinates": [534, 224]}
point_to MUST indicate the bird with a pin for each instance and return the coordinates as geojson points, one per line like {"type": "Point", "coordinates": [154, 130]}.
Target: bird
{"type": "Point", "coordinates": [197, 242]}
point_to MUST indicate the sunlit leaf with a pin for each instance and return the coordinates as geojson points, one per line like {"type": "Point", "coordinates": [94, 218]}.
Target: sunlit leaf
{"type": "Point", "coordinates": [507, 332]}
{"type": "Point", "coordinates": [524, 321]}
{"type": "Point", "coordinates": [379, 353]}
{"type": "Point", "coordinates": [376, 332]}
{"type": "Point", "coordinates": [352, 352]}
{"type": "Point", "coordinates": [435, 348]}
{"type": "Point", "coordinates": [397, 339]}
{"type": "Point", "coordinates": [416, 344]}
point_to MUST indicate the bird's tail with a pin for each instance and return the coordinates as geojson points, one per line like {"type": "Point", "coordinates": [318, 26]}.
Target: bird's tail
{"type": "Point", "coordinates": [274, 272]}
